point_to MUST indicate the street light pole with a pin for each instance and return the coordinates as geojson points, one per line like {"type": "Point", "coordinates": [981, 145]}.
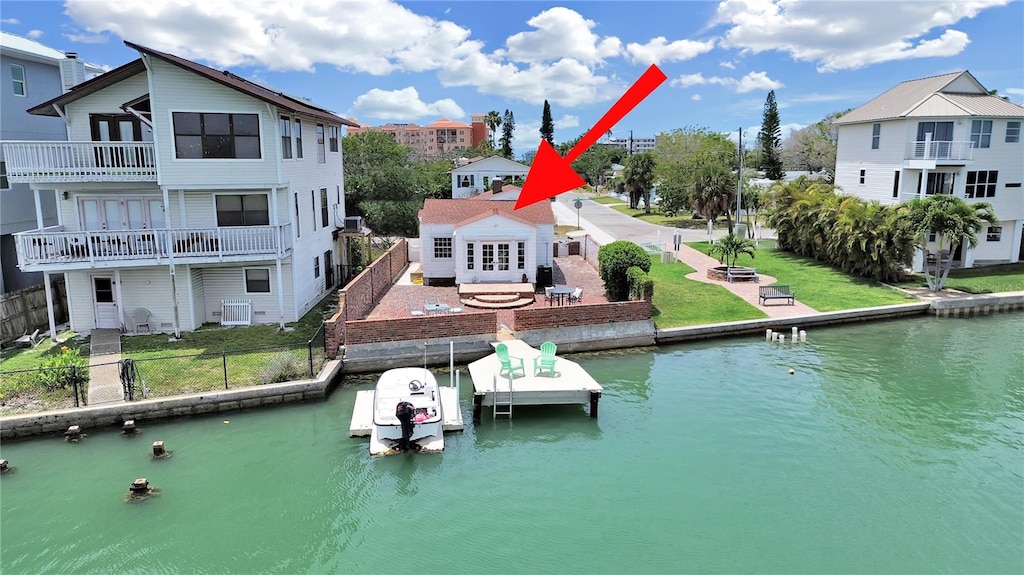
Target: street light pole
{"type": "Point", "coordinates": [739, 185]}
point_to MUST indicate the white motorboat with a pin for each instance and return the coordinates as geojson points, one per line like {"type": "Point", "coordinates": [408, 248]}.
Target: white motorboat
{"type": "Point", "coordinates": [406, 412]}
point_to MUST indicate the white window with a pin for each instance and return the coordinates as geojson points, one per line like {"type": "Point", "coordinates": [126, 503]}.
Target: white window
{"type": "Point", "coordinates": [257, 280]}
{"type": "Point", "coordinates": [286, 138]}
{"type": "Point", "coordinates": [321, 151]}
{"type": "Point", "coordinates": [216, 135]}
{"type": "Point", "coordinates": [469, 256]}
{"type": "Point", "coordinates": [995, 234]}
{"type": "Point", "coordinates": [1012, 132]}
{"type": "Point", "coordinates": [332, 137]}
{"type": "Point", "coordinates": [981, 184]}
{"type": "Point", "coordinates": [298, 228]}
{"type": "Point", "coordinates": [298, 138]}
{"type": "Point", "coordinates": [442, 248]}
{"type": "Point", "coordinates": [316, 266]}
{"type": "Point", "coordinates": [981, 133]}
{"type": "Point", "coordinates": [4, 183]}
{"type": "Point", "coordinates": [521, 256]}
{"type": "Point", "coordinates": [862, 174]}
{"type": "Point", "coordinates": [466, 181]}
{"type": "Point", "coordinates": [876, 135]}
{"type": "Point", "coordinates": [18, 79]}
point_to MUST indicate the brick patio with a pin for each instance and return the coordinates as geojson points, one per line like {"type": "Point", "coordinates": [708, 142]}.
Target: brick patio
{"type": "Point", "coordinates": [572, 271]}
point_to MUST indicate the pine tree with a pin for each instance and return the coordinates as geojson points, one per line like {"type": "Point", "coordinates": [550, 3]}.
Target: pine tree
{"type": "Point", "coordinates": [508, 127]}
{"type": "Point", "coordinates": [547, 125]}
{"type": "Point", "coordinates": [770, 138]}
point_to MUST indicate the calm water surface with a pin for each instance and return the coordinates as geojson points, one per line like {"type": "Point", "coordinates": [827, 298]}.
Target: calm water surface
{"type": "Point", "coordinates": [896, 447]}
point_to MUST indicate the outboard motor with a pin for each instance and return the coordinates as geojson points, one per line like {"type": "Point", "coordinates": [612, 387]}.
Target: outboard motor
{"type": "Point", "coordinates": [405, 412]}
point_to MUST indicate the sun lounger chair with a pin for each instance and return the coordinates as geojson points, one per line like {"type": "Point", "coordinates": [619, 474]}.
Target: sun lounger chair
{"type": "Point", "coordinates": [546, 360]}
{"type": "Point", "coordinates": [509, 363]}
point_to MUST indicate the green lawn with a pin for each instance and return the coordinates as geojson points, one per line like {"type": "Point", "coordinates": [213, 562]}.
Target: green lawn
{"type": "Point", "coordinates": [986, 279]}
{"type": "Point", "coordinates": [681, 302]}
{"type": "Point", "coordinates": [19, 358]}
{"type": "Point", "coordinates": [684, 220]}
{"type": "Point", "coordinates": [816, 284]}
{"type": "Point", "coordinates": [607, 200]}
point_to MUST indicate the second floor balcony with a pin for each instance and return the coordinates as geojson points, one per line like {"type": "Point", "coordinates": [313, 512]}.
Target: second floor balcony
{"type": "Point", "coordinates": [55, 249]}
{"type": "Point", "coordinates": [38, 162]}
{"type": "Point", "coordinates": [939, 151]}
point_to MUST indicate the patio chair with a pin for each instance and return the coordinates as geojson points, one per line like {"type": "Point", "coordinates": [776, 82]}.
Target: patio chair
{"type": "Point", "coordinates": [141, 318]}
{"type": "Point", "coordinates": [416, 312]}
{"type": "Point", "coordinates": [547, 293]}
{"type": "Point", "coordinates": [576, 296]}
{"type": "Point", "coordinates": [546, 360]}
{"type": "Point", "coordinates": [509, 363]}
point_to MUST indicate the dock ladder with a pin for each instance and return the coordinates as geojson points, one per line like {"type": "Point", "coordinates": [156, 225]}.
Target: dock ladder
{"type": "Point", "coordinates": [502, 403]}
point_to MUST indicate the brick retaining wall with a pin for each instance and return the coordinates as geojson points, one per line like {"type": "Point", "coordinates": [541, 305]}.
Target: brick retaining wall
{"type": "Point", "coordinates": [583, 314]}
{"type": "Point", "coordinates": [418, 328]}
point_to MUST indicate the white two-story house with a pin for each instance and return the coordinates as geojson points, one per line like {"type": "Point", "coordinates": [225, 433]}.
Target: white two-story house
{"type": "Point", "coordinates": [940, 135]}
{"type": "Point", "coordinates": [185, 195]}
{"type": "Point", "coordinates": [477, 175]}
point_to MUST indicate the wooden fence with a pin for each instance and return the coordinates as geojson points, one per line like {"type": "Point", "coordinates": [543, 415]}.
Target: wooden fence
{"type": "Point", "coordinates": [24, 311]}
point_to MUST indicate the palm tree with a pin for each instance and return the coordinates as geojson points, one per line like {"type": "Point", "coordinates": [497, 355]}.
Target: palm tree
{"type": "Point", "coordinates": [731, 247]}
{"type": "Point", "coordinates": [952, 220]}
{"type": "Point", "coordinates": [639, 174]}
{"type": "Point", "coordinates": [492, 120]}
{"type": "Point", "coordinates": [712, 191]}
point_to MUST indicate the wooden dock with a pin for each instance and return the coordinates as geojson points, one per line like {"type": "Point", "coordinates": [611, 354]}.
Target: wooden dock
{"type": "Point", "coordinates": [362, 412]}
{"type": "Point", "coordinates": [570, 385]}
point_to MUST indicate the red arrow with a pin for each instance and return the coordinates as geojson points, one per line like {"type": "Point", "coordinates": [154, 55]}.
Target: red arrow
{"type": "Point", "coordinates": [551, 174]}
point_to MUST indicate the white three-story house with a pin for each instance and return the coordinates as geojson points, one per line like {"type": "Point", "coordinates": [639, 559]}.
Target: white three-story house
{"type": "Point", "coordinates": [940, 135]}
{"type": "Point", "coordinates": [185, 195]}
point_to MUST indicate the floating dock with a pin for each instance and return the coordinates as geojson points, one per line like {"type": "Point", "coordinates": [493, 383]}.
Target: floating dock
{"type": "Point", "coordinates": [362, 412]}
{"type": "Point", "coordinates": [570, 385]}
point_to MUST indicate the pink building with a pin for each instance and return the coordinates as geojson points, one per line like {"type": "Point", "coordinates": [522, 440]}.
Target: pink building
{"type": "Point", "coordinates": [434, 139]}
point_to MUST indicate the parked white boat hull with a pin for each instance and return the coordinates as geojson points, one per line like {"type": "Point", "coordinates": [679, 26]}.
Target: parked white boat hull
{"type": "Point", "coordinates": [417, 387]}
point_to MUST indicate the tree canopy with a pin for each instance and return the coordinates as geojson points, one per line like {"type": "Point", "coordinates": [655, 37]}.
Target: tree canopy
{"type": "Point", "coordinates": [813, 147]}
{"type": "Point", "coordinates": [547, 125]}
{"type": "Point", "coordinates": [508, 128]}
{"type": "Point", "coordinates": [639, 177]}
{"type": "Point", "coordinates": [770, 139]}
{"type": "Point", "coordinates": [953, 221]}
{"type": "Point", "coordinates": [678, 156]}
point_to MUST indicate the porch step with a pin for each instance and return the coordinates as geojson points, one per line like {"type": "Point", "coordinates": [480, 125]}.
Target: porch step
{"type": "Point", "coordinates": [477, 303]}
{"type": "Point", "coordinates": [496, 298]}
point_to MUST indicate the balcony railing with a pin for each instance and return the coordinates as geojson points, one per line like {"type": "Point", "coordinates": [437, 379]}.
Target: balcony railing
{"type": "Point", "coordinates": [53, 245]}
{"type": "Point", "coordinates": [46, 162]}
{"type": "Point", "coordinates": [935, 150]}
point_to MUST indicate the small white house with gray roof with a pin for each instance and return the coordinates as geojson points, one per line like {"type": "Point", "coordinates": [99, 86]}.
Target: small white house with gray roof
{"type": "Point", "coordinates": [940, 135]}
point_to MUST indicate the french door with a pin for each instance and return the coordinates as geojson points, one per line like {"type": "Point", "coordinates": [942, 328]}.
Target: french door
{"type": "Point", "coordinates": [118, 128]}
{"type": "Point", "coordinates": [109, 213]}
{"type": "Point", "coordinates": [495, 262]}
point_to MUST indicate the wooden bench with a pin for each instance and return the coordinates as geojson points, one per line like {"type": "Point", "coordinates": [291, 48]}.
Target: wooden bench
{"type": "Point", "coordinates": [742, 273]}
{"type": "Point", "coordinates": [765, 293]}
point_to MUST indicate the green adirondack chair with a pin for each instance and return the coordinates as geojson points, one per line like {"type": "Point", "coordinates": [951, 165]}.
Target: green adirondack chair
{"type": "Point", "coordinates": [509, 364]}
{"type": "Point", "coordinates": [546, 361]}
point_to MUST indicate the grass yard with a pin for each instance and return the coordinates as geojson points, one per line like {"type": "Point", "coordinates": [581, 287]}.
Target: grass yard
{"type": "Point", "coordinates": [607, 200]}
{"type": "Point", "coordinates": [986, 279]}
{"type": "Point", "coordinates": [681, 302]}
{"type": "Point", "coordinates": [20, 358]}
{"type": "Point", "coordinates": [684, 220]}
{"type": "Point", "coordinates": [816, 284]}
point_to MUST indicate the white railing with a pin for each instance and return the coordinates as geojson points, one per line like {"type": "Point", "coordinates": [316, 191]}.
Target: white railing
{"type": "Point", "coordinates": [54, 245]}
{"type": "Point", "coordinates": [46, 162]}
{"type": "Point", "coordinates": [236, 312]}
{"type": "Point", "coordinates": [935, 150]}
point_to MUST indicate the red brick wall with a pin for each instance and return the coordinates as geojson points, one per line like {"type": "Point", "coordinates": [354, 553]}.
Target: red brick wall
{"type": "Point", "coordinates": [425, 327]}
{"type": "Point", "coordinates": [358, 298]}
{"type": "Point", "coordinates": [584, 314]}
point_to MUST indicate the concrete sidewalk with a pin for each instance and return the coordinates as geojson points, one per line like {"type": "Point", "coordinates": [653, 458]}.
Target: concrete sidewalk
{"type": "Point", "coordinates": [104, 373]}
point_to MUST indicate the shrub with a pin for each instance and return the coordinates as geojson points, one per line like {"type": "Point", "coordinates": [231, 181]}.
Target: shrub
{"type": "Point", "coordinates": [641, 286]}
{"type": "Point", "coordinates": [284, 366]}
{"type": "Point", "coordinates": [60, 371]}
{"type": "Point", "coordinates": [614, 260]}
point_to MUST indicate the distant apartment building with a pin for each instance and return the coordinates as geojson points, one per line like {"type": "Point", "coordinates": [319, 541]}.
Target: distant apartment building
{"type": "Point", "coordinates": [32, 73]}
{"type": "Point", "coordinates": [632, 145]}
{"type": "Point", "coordinates": [434, 139]}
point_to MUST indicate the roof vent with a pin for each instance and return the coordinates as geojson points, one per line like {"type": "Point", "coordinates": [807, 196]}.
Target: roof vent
{"type": "Point", "coordinates": [71, 55]}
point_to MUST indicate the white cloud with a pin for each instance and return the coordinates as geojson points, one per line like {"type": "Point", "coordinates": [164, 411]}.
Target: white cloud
{"type": "Point", "coordinates": [404, 104]}
{"type": "Point", "coordinates": [757, 81]}
{"type": "Point", "coordinates": [695, 97]}
{"type": "Point", "coordinates": [659, 50]}
{"type": "Point", "coordinates": [526, 136]}
{"type": "Point", "coordinates": [35, 34]}
{"type": "Point", "coordinates": [1015, 91]}
{"type": "Point", "coordinates": [87, 38]}
{"type": "Point", "coordinates": [560, 33]}
{"type": "Point", "coordinates": [698, 79]}
{"type": "Point", "coordinates": [10, 21]}
{"type": "Point", "coordinates": [727, 64]}
{"type": "Point", "coordinates": [848, 35]}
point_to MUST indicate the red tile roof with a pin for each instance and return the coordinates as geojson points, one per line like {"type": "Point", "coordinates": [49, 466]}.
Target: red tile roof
{"type": "Point", "coordinates": [451, 211]}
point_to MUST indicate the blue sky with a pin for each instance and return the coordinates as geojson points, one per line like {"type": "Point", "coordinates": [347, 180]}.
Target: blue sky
{"type": "Point", "coordinates": [382, 61]}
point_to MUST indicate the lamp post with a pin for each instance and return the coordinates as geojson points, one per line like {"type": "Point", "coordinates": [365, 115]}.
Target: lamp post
{"type": "Point", "coordinates": [739, 187]}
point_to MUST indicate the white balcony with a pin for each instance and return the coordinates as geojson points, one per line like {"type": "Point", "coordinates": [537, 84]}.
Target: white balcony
{"type": "Point", "coordinates": [54, 249]}
{"type": "Point", "coordinates": [57, 162]}
{"type": "Point", "coordinates": [932, 151]}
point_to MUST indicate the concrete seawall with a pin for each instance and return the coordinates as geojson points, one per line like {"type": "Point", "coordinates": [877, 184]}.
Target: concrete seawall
{"type": "Point", "coordinates": [981, 304]}
{"type": "Point", "coordinates": [148, 409]}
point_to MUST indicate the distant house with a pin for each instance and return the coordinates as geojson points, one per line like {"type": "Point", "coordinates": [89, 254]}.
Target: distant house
{"type": "Point", "coordinates": [476, 175]}
{"type": "Point", "coordinates": [940, 135]}
{"type": "Point", "coordinates": [485, 239]}
{"type": "Point", "coordinates": [190, 192]}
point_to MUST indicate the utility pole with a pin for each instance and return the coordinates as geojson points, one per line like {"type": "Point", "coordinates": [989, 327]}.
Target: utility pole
{"type": "Point", "coordinates": [630, 143]}
{"type": "Point", "coordinates": [739, 185]}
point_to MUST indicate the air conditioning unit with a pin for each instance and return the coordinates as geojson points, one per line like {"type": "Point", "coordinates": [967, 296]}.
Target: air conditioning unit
{"type": "Point", "coordinates": [353, 224]}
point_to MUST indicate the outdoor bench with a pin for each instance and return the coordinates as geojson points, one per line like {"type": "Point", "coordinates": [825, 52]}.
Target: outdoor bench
{"type": "Point", "coordinates": [766, 293]}
{"type": "Point", "coordinates": [742, 273]}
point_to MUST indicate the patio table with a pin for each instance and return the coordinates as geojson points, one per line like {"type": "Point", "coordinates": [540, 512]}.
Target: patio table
{"type": "Point", "coordinates": [560, 292]}
{"type": "Point", "coordinates": [436, 307]}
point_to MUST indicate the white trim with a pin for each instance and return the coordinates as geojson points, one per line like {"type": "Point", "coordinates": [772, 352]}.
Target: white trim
{"type": "Point", "coordinates": [24, 81]}
{"type": "Point", "coordinates": [120, 299]}
{"type": "Point", "coordinates": [235, 186]}
{"type": "Point", "coordinates": [245, 283]}
{"type": "Point", "coordinates": [280, 294]}
{"type": "Point", "coordinates": [206, 161]}
{"type": "Point", "coordinates": [191, 298]}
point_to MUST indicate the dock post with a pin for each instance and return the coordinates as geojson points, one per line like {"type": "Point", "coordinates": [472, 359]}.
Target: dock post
{"type": "Point", "coordinates": [478, 404]}
{"type": "Point", "coordinates": [594, 397]}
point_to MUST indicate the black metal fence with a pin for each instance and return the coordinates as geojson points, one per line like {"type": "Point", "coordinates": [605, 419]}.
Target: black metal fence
{"type": "Point", "coordinates": [135, 378]}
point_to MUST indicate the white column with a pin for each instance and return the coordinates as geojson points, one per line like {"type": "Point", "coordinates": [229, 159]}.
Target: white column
{"type": "Point", "coordinates": [191, 299]}
{"type": "Point", "coordinates": [120, 300]}
{"type": "Point", "coordinates": [968, 255]}
{"type": "Point", "coordinates": [49, 301]}
{"type": "Point", "coordinates": [174, 302]}
{"type": "Point", "coordinates": [280, 295]}
{"type": "Point", "coordinates": [39, 209]}
{"type": "Point", "coordinates": [1017, 234]}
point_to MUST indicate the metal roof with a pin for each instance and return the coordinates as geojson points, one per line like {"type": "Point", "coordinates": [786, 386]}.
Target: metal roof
{"type": "Point", "coordinates": [25, 48]}
{"type": "Point", "coordinates": [900, 100]}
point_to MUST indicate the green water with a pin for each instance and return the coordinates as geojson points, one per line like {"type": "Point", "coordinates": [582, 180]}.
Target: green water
{"type": "Point", "coordinates": [895, 448]}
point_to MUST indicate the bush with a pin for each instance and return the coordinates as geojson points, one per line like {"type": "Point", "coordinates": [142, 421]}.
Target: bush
{"type": "Point", "coordinates": [284, 366]}
{"type": "Point", "coordinates": [60, 371]}
{"type": "Point", "coordinates": [641, 286]}
{"type": "Point", "coordinates": [614, 260]}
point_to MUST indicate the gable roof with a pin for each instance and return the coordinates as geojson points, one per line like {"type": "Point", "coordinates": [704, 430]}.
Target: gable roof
{"type": "Point", "coordinates": [494, 212]}
{"type": "Point", "coordinates": [223, 77]}
{"type": "Point", "coordinates": [24, 48]}
{"type": "Point", "coordinates": [457, 211]}
{"type": "Point", "coordinates": [508, 164]}
{"type": "Point", "coordinates": [903, 99]}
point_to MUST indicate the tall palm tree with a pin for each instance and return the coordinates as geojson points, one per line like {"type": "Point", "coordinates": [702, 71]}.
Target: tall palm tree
{"type": "Point", "coordinates": [492, 120]}
{"type": "Point", "coordinates": [953, 221]}
{"type": "Point", "coordinates": [712, 191]}
{"type": "Point", "coordinates": [639, 174]}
